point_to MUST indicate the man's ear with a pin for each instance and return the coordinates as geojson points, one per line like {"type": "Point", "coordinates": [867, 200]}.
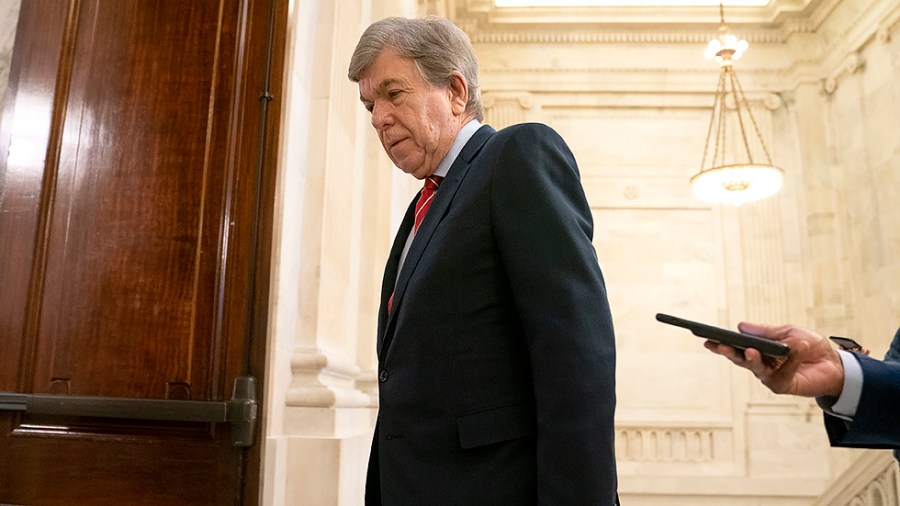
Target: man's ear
{"type": "Point", "coordinates": [458, 91]}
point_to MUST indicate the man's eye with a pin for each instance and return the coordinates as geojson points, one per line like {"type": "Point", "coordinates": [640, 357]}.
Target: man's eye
{"type": "Point", "coordinates": [394, 93]}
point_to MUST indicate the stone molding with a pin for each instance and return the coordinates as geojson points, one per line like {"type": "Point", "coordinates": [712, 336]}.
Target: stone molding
{"type": "Point", "coordinates": [872, 479]}
{"type": "Point", "coordinates": [669, 444]}
{"type": "Point", "coordinates": [848, 66]}
{"type": "Point", "coordinates": [632, 80]}
{"type": "Point", "coordinates": [822, 13]}
{"type": "Point", "coordinates": [855, 31]}
{"type": "Point", "coordinates": [487, 24]}
{"type": "Point", "coordinates": [774, 13]}
{"type": "Point", "coordinates": [550, 99]}
{"type": "Point", "coordinates": [321, 379]}
{"type": "Point", "coordinates": [888, 25]}
{"type": "Point", "coordinates": [570, 35]}
{"type": "Point", "coordinates": [851, 31]}
{"type": "Point", "coordinates": [523, 100]}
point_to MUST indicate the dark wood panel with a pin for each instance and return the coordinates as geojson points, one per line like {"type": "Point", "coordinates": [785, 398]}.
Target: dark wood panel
{"type": "Point", "coordinates": [128, 280]}
{"type": "Point", "coordinates": [126, 469]}
{"type": "Point", "coordinates": [24, 137]}
{"type": "Point", "coordinates": [131, 233]}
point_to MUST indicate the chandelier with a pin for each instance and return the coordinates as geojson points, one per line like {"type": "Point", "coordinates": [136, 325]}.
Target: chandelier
{"type": "Point", "coordinates": [733, 177]}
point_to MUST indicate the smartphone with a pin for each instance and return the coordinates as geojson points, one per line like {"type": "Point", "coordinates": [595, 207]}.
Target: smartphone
{"type": "Point", "coordinates": [729, 337]}
{"type": "Point", "coordinates": [846, 343]}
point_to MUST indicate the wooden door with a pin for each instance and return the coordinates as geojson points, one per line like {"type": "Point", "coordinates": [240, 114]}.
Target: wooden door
{"type": "Point", "coordinates": [136, 177]}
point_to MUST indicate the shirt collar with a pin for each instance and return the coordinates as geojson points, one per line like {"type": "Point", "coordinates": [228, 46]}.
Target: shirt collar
{"type": "Point", "coordinates": [465, 133]}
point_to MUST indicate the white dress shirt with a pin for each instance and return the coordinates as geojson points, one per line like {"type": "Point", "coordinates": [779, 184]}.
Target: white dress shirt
{"type": "Point", "coordinates": [845, 405]}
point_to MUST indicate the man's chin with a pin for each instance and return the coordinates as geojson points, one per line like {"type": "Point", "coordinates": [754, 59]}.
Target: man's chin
{"type": "Point", "coordinates": [416, 172]}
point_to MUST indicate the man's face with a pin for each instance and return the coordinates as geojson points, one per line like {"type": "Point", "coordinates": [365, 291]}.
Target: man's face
{"type": "Point", "coordinates": [415, 121]}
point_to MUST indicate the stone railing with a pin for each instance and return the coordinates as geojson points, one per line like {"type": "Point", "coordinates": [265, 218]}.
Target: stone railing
{"type": "Point", "coordinates": [873, 480]}
{"type": "Point", "coordinates": [673, 449]}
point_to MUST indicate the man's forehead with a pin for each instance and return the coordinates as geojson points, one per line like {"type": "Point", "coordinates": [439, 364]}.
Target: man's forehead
{"type": "Point", "coordinates": [385, 73]}
{"type": "Point", "coordinates": [389, 63]}
{"type": "Point", "coordinates": [389, 81]}
{"type": "Point", "coordinates": [368, 88]}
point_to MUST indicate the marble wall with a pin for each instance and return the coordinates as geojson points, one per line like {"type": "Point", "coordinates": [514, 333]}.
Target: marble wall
{"type": "Point", "coordinates": [822, 253]}
{"type": "Point", "coordinates": [337, 201]}
{"type": "Point", "coordinates": [633, 101]}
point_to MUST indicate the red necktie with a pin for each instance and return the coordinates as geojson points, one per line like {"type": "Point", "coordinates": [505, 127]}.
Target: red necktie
{"type": "Point", "coordinates": [422, 205]}
{"type": "Point", "coordinates": [425, 198]}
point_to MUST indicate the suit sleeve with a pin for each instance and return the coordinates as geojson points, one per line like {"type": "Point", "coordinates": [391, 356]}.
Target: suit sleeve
{"type": "Point", "coordinates": [877, 420]}
{"type": "Point", "coordinates": [543, 228]}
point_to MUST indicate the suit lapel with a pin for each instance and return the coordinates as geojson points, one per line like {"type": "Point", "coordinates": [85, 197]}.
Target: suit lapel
{"type": "Point", "coordinates": [390, 270]}
{"type": "Point", "coordinates": [436, 212]}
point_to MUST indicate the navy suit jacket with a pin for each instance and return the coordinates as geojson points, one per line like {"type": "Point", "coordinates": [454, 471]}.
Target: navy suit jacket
{"type": "Point", "coordinates": [497, 360]}
{"type": "Point", "coordinates": [877, 420]}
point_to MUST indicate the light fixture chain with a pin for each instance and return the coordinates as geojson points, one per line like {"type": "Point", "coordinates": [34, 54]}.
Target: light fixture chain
{"type": "Point", "coordinates": [722, 127]}
{"type": "Point", "coordinates": [753, 121]}
{"type": "Point", "coordinates": [712, 120]}
{"type": "Point", "coordinates": [740, 102]}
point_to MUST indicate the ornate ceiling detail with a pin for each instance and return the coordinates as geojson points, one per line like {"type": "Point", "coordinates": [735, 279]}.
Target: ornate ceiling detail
{"type": "Point", "coordinates": [850, 64]}
{"type": "Point", "coordinates": [570, 35]}
{"type": "Point", "coordinates": [775, 23]}
{"type": "Point", "coordinates": [888, 25]}
{"type": "Point", "coordinates": [773, 14]}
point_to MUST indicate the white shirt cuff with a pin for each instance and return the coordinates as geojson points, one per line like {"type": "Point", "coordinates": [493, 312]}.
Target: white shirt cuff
{"type": "Point", "coordinates": [846, 404]}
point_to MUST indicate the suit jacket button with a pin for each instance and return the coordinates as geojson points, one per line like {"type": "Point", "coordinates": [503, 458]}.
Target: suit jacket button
{"type": "Point", "coordinates": [383, 376]}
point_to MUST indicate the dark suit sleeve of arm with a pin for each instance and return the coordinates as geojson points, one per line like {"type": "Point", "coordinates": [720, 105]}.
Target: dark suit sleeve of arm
{"type": "Point", "coordinates": [543, 227]}
{"type": "Point", "coordinates": [877, 420]}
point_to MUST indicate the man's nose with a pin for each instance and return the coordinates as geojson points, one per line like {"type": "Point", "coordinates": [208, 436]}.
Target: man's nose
{"type": "Point", "coordinates": [381, 116]}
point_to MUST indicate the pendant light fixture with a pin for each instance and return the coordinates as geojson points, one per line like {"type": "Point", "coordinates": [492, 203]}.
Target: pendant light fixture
{"type": "Point", "coordinates": [733, 176]}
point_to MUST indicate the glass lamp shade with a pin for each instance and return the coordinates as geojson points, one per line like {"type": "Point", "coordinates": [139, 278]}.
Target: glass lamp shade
{"type": "Point", "coordinates": [725, 49]}
{"type": "Point", "coordinates": [737, 184]}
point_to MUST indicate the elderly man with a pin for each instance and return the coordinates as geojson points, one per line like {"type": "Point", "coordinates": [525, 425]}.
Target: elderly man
{"type": "Point", "coordinates": [495, 343]}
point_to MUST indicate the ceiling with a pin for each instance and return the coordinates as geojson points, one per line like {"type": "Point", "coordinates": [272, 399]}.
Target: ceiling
{"type": "Point", "coordinates": [627, 3]}
{"type": "Point", "coordinates": [755, 13]}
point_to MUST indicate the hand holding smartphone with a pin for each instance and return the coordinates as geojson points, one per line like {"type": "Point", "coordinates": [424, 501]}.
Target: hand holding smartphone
{"type": "Point", "coordinates": [729, 337]}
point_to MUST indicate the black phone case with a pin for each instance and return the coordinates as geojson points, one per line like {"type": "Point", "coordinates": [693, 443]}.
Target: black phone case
{"type": "Point", "coordinates": [729, 337]}
{"type": "Point", "coordinates": [845, 342]}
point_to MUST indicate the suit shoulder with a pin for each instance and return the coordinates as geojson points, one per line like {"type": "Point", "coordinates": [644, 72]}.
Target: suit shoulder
{"type": "Point", "coordinates": [528, 136]}
{"type": "Point", "coordinates": [528, 129]}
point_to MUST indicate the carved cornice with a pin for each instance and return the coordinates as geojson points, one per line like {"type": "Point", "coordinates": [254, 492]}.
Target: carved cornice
{"type": "Point", "coordinates": [825, 9]}
{"type": "Point", "coordinates": [593, 78]}
{"type": "Point", "coordinates": [888, 25]}
{"type": "Point", "coordinates": [627, 70]}
{"type": "Point", "coordinates": [848, 66]}
{"type": "Point", "coordinates": [775, 24]}
{"type": "Point", "coordinates": [775, 12]}
{"type": "Point", "coordinates": [862, 35]}
{"type": "Point", "coordinates": [575, 35]}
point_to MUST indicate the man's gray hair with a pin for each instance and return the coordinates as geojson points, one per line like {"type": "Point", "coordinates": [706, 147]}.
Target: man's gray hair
{"type": "Point", "coordinates": [436, 45]}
